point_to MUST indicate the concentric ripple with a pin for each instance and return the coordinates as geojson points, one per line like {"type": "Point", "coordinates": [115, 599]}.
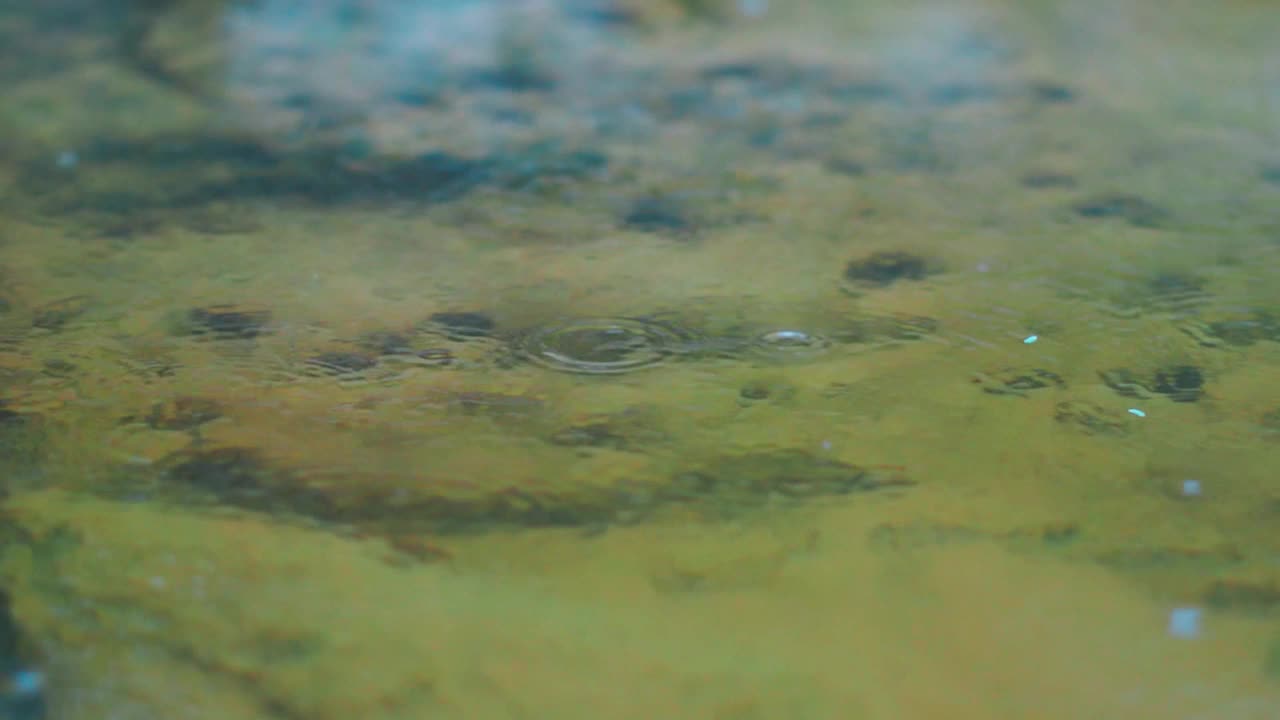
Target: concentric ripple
{"type": "Point", "coordinates": [602, 346]}
{"type": "Point", "coordinates": [789, 344]}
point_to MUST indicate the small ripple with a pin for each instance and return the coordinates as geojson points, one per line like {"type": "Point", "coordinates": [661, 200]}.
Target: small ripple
{"type": "Point", "coordinates": [789, 345]}
{"type": "Point", "coordinates": [602, 346]}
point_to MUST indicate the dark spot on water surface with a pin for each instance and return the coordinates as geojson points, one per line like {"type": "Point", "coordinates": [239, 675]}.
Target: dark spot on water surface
{"type": "Point", "coordinates": [1182, 383]}
{"type": "Point", "coordinates": [229, 474]}
{"type": "Point", "coordinates": [419, 97]}
{"type": "Point", "coordinates": [594, 434]}
{"type": "Point", "coordinates": [55, 315]}
{"type": "Point", "coordinates": [386, 343]}
{"type": "Point", "coordinates": [21, 442]}
{"type": "Point", "coordinates": [1089, 418]}
{"type": "Point", "coordinates": [1175, 283]}
{"type": "Point", "coordinates": [1248, 597]}
{"type": "Point", "coordinates": [228, 321]}
{"type": "Point", "coordinates": [17, 655]}
{"type": "Point", "coordinates": [657, 214]}
{"type": "Point", "coordinates": [1048, 92]}
{"type": "Point", "coordinates": [740, 482]}
{"type": "Point", "coordinates": [463, 324]}
{"type": "Point", "coordinates": [885, 267]}
{"type": "Point", "coordinates": [1137, 211]}
{"type": "Point", "coordinates": [516, 77]}
{"type": "Point", "coordinates": [1047, 180]}
{"type": "Point", "coordinates": [341, 362]}
{"type": "Point", "coordinates": [180, 174]}
{"type": "Point", "coordinates": [241, 478]}
{"type": "Point", "coordinates": [845, 166]}
{"type": "Point", "coordinates": [436, 357]}
{"type": "Point", "coordinates": [1019, 381]}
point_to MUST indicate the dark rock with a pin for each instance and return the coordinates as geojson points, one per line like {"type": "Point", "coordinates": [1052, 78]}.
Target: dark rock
{"type": "Point", "coordinates": [755, 391]}
{"type": "Point", "coordinates": [1271, 174]}
{"type": "Point", "coordinates": [181, 173]}
{"type": "Point", "coordinates": [239, 477]}
{"type": "Point", "coordinates": [229, 321]}
{"type": "Point", "coordinates": [883, 268]}
{"type": "Point", "coordinates": [1182, 383]}
{"type": "Point", "coordinates": [1131, 208]}
{"type": "Point", "coordinates": [657, 213]}
{"type": "Point", "coordinates": [229, 473]}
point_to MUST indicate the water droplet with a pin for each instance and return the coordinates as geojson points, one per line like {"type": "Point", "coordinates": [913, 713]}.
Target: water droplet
{"type": "Point", "coordinates": [26, 682]}
{"type": "Point", "coordinates": [1185, 622]}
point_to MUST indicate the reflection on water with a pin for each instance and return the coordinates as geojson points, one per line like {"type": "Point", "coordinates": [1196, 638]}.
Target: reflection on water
{"type": "Point", "coordinates": [601, 358]}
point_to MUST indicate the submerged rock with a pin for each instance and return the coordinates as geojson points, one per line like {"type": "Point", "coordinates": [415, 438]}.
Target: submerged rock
{"type": "Point", "coordinates": [884, 268]}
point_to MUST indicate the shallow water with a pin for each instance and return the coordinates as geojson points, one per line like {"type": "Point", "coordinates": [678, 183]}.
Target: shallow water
{"type": "Point", "coordinates": [632, 360]}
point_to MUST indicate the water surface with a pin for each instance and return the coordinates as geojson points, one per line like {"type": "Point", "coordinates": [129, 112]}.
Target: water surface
{"type": "Point", "coordinates": [606, 359]}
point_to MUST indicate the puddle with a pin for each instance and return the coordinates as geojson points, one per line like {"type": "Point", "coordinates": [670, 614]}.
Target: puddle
{"type": "Point", "coordinates": [672, 359]}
